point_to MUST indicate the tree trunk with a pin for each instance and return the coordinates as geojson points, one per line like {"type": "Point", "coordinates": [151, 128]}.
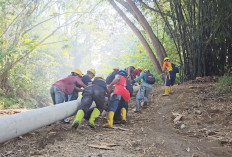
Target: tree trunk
{"type": "Point", "coordinates": [171, 31]}
{"type": "Point", "coordinates": [140, 37]}
{"type": "Point", "coordinates": [229, 54]}
{"type": "Point", "coordinates": [160, 51]}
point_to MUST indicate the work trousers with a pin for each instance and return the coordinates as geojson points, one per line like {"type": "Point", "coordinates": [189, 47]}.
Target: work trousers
{"type": "Point", "coordinates": [142, 94]}
{"type": "Point", "coordinates": [72, 96]}
{"type": "Point", "coordinates": [114, 102]}
{"type": "Point", "coordinates": [93, 93]}
{"type": "Point", "coordinates": [170, 82]}
{"type": "Point", "coordinates": [122, 104]}
{"type": "Point", "coordinates": [58, 96]}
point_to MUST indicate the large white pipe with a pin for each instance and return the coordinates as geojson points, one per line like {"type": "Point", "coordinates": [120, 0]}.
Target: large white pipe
{"type": "Point", "coordinates": [19, 124]}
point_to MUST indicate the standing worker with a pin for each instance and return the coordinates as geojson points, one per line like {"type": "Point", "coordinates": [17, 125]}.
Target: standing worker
{"type": "Point", "coordinates": [145, 89]}
{"type": "Point", "coordinates": [62, 88]}
{"type": "Point", "coordinates": [120, 92]}
{"type": "Point", "coordinates": [171, 76]}
{"type": "Point", "coordinates": [94, 92]}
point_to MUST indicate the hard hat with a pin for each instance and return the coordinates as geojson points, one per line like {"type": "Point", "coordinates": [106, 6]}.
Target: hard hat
{"type": "Point", "coordinates": [166, 58]}
{"type": "Point", "coordinates": [77, 71]}
{"type": "Point", "coordinates": [132, 66]}
{"type": "Point", "coordinates": [146, 70]}
{"type": "Point", "coordinates": [140, 68]}
{"type": "Point", "coordinates": [116, 68]}
{"type": "Point", "coordinates": [92, 71]}
{"type": "Point", "coordinates": [99, 76]}
{"type": "Point", "coordinates": [123, 72]}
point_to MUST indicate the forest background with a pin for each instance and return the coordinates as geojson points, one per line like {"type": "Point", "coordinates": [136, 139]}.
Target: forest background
{"type": "Point", "coordinates": [41, 41]}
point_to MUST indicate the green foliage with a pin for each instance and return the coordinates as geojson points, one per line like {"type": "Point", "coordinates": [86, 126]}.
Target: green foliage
{"type": "Point", "coordinates": [137, 57]}
{"type": "Point", "coordinates": [93, 38]}
{"type": "Point", "coordinates": [16, 103]}
{"type": "Point", "coordinates": [224, 84]}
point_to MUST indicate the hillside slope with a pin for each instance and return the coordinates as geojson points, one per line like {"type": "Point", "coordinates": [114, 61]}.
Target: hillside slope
{"type": "Point", "coordinates": [193, 121]}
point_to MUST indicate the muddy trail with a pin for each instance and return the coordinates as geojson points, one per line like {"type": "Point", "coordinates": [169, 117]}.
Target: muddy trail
{"type": "Point", "coordinates": [194, 121]}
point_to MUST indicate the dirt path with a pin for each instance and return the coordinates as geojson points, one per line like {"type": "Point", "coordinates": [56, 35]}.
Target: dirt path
{"type": "Point", "coordinates": [150, 133]}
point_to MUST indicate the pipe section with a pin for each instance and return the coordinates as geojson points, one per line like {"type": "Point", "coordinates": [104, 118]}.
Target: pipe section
{"type": "Point", "coordinates": [19, 124]}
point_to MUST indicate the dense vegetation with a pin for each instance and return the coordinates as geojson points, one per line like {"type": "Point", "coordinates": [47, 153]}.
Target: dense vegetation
{"type": "Point", "coordinates": [42, 41]}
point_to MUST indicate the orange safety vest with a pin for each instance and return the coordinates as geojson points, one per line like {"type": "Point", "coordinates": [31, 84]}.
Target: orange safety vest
{"type": "Point", "coordinates": [167, 65]}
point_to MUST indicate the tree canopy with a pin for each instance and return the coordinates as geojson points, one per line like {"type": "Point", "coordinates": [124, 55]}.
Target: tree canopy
{"type": "Point", "coordinates": [42, 41]}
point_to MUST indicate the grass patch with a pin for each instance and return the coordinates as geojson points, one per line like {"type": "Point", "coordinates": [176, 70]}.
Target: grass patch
{"type": "Point", "coordinates": [224, 84]}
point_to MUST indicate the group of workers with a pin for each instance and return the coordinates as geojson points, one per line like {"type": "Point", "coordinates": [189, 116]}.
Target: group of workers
{"type": "Point", "coordinates": [111, 94]}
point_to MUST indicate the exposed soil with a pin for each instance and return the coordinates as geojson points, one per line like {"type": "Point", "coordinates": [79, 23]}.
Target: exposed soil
{"type": "Point", "coordinates": [194, 121]}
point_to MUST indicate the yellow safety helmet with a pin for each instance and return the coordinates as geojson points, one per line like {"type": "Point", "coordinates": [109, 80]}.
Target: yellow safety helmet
{"type": "Point", "coordinates": [166, 58]}
{"type": "Point", "coordinates": [140, 68]}
{"type": "Point", "coordinates": [77, 71]}
{"type": "Point", "coordinates": [99, 76]}
{"type": "Point", "coordinates": [92, 71]}
{"type": "Point", "coordinates": [132, 66]}
{"type": "Point", "coordinates": [116, 68]}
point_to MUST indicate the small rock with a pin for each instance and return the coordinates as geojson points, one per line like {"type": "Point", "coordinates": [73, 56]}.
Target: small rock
{"type": "Point", "coordinates": [84, 143]}
{"type": "Point", "coordinates": [223, 142]}
{"type": "Point", "coordinates": [182, 126]}
{"type": "Point", "coordinates": [178, 118]}
{"type": "Point", "coordinates": [198, 112]}
{"type": "Point", "coordinates": [138, 148]}
{"type": "Point", "coordinates": [211, 133]}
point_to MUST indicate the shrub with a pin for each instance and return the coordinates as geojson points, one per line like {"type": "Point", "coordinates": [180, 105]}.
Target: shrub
{"type": "Point", "coordinates": [224, 84]}
{"type": "Point", "coordinates": [16, 103]}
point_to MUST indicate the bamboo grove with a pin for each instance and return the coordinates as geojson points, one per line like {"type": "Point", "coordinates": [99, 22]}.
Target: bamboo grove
{"type": "Point", "coordinates": [200, 30]}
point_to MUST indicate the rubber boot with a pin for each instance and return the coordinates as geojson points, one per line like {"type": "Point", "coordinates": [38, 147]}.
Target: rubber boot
{"type": "Point", "coordinates": [123, 115]}
{"type": "Point", "coordinates": [110, 120]}
{"type": "Point", "coordinates": [170, 90]}
{"type": "Point", "coordinates": [166, 92]}
{"type": "Point", "coordinates": [77, 121]}
{"type": "Point", "coordinates": [93, 116]}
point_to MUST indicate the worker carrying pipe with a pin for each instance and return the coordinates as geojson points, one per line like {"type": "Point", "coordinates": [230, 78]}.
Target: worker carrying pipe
{"type": "Point", "coordinates": [111, 76]}
{"type": "Point", "coordinates": [95, 92]}
{"type": "Point", "coordinates": [145, 89]}
{"type": "Point", "coordinates": [120, 93]}
{"type": "Point", "coordinates": [86, 79]}
{"type": "Point", "coordinates": [64, 87]}
{"type": "Point", "coordinates": [129, 70]}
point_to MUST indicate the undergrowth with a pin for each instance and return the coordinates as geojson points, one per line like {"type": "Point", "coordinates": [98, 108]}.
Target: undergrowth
{"type": "Point", "coordinates": [15, 103]}
{"type": "Point", "coordinates": [224, 84]}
